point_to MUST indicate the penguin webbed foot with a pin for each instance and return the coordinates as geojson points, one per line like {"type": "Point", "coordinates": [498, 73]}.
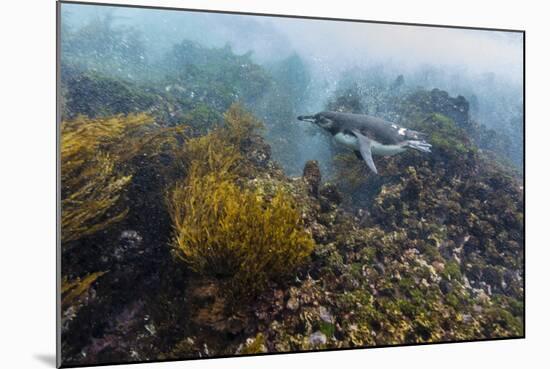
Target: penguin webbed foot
{"type": "Point", "coordinates": [422, 146]}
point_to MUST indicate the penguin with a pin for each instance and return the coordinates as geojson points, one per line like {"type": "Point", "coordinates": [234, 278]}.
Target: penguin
{"type": "Point", "coordinates": [368, 135]}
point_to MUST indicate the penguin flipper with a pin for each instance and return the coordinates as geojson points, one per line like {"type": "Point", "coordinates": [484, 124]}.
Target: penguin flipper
{"type": "Point", "coordinates": [365, 144]}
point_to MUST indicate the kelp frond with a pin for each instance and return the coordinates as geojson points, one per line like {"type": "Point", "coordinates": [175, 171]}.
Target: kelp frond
{"type": "Point", "coordinates": [211, 153]}
{"type": "Point", "coordinates": [96, 167]}
{"type": "Point", "coordinates": [72, 290]}
{"type": "Point", "coordinates": [83, 136]}
{"type": "Point", "coordinates": [86, 208]}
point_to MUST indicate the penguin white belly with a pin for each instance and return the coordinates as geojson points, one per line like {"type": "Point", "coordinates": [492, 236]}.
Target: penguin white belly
{"type": "Point", "coordinates": [351, 142]}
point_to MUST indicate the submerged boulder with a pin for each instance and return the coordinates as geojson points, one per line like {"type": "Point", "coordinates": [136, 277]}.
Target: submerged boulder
{"type": "Point", "coordinates": [312, 176]}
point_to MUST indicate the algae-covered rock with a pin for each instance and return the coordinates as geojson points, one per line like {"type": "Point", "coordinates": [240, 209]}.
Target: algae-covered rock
{"type": "Point", "coordinates": [429, 251]}
{"type": "Point", "coordinates": [312, 176]}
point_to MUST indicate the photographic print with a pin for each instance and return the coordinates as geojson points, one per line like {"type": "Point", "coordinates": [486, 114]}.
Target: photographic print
{"type": "Point", "coordinates": [237, 184]}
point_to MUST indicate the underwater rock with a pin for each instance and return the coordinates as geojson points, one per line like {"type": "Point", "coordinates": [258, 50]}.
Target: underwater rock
{"type": "Point", "coordinates": [114, 341]}
{"type": "Point", "coordinates": [325, 315]}
{"type": "Point", "coordinates": [379, 267]}
{"type": "Point", "coordinates": [130, 241]}
{"type": "Point", "coordinates": [312, 176]}
{"type": "Point", "coordinates": [439, 101]}
{"type": "Point", "coordinates": [317, 339]}
{"type": "Point", "coordinates": [438, 266]}
{"type": "Point", "coordinates": [253, 345]}
{"type": "Point", "coordinates": [293, 303]}
{"type": "Point", "coordinates": [492, 276]}
{"type": "Point", "coordinates": [257, 151]}
{"type": "Point", "coordinates": [430, 223]}
{"type": "Point", "coordinates": [206, 304]}
{"type": "Point", "coordinates": [445, 286]}
{"type": "Point", "coordinates": [210, 309]}
{"type": "Point", "coordinates": [329, 197]}
{"type": "Point", "coordinates": [92, 94]}
{"type": "Point", "coordinates": [319, 232]}
{"type": "Point", "coordinates": [76, 295]}
{"type": "Point", "coordinates": [134, 266]}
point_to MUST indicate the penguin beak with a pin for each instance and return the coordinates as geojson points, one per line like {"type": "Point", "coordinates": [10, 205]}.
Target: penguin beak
{"type": "Point", "coordinates": [307, 118]}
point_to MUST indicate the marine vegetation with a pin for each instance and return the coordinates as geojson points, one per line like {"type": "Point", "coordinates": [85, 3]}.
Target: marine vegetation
{"type": "Point", "coordinates": [90, 150]}
{"type": "Point", "coordinates": [224, 231]}
{"type": "Point", "coordinates": [71, 290]}
{"type": "Point", "coordinates": [231, 232]}
{"type": "Point", "coordinates": [96, 170]}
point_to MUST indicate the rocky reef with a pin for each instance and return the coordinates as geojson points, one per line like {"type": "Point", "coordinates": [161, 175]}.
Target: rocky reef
{"type": "Point", "coordinates": [435, 254]}
{"type": "Point", "coordinates": [182, 236]}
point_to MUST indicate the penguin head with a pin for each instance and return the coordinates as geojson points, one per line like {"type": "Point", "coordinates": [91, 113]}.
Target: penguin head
{"type": "Point", "coordinates": [320, 119]}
